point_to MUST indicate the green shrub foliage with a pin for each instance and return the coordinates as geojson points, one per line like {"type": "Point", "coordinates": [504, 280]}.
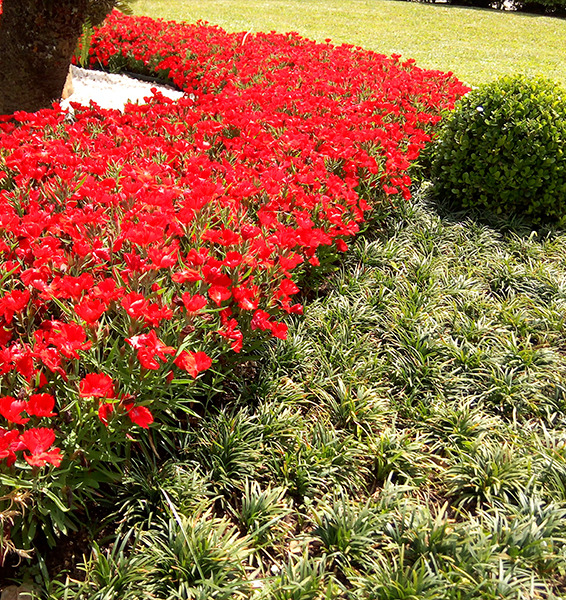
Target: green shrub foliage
{"type": "Point", "coordinates": [549, 7]}
{"type": "Point", "coordinates": [556, 8]}
{"type": "Point", "coordinates": [504, 149]}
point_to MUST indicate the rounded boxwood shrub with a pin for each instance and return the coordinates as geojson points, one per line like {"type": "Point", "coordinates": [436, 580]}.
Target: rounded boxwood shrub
{"type": "Point", "coordinates": [503, 148]}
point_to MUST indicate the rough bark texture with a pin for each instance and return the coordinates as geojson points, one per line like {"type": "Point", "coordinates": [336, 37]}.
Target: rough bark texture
{"type": "Point", "coordinates": [37, 41]}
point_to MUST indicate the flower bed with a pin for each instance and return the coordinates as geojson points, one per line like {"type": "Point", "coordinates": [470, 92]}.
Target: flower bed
{"type": "Point", "coordinates": [142, 249]}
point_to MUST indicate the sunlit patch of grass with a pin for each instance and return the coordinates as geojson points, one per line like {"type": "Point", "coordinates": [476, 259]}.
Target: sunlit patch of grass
{"type": "Point", "coordinates": [477, 45]}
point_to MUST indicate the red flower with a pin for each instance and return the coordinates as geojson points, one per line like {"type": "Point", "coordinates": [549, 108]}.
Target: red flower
{"type": "Point", "coordinates": [233, 259]}
{"type": "Point", "coordinates": [186, 275]}
{"type": "Point", "coordinates": [107, 291]}
{"type": "Point", "coordinates": [23, 361]}
{"type": "Point", "coordinates": [214, 276]}
{"type": "Point", "coordinates": [150, 347]}
{"type": "Point", "coordinates": [260, 320]}
{"type": "Point", "coordinates": [224, 237]}
{"type": "Point", "coordinates": [140, 415]}
{"type": "Point", "coordinates": [41, 405]}
{"type": "Point", "coordinates": [163, 258]}
{"type": "Point", "coordinates": [67, 337]}
{"type": "Point", "coordinates": [11, 409]}
{"type": "Point", "coordinates": [296, 309]}
{"type": "Point", "coordinates": [13, 303]}
{"type": "Point", "coordinates": [49, 356]}
{"type": "Point", "coordinates": [154, 314]}
{"type": "Point", "coordinates": [196, 257]}
{"type": "Point", "coordinates": [36, 278]}
{"type": "Point", "coordinates": [279, 330]}
{"type": "Point", "coordinates": [5, 336]}
{"type": "Point", "coordinates": [91, 310]}
{"type": "Point", "coordinates": [195, 303]}
{"type": "Point", "coordinates": [37, 441]}
{"type": "Point", "coordinates": [97, 385]}
{"type": "Point", "coordinates": [219, 293]}
{"type": "Point", "coordinates": [193, 362]}
{"type": "Point", "coordinates": [290, 262]}
{"type": "Point", "coordinates": [230, 331]}
{"type": "Point", "coordinates": [135, 305]}
{"type": "Point", "coordinates": [73, 287]}
{"type": "Point", "coordinates": [105, 409]}
{"type": "Point", "coordinates": [287, 287]}
{"type": "Point", "coordinates": [9, 443]}
{"type": "Point", "coordinates": [246, 297]}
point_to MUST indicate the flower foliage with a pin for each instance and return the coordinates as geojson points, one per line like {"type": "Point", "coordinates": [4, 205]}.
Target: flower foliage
{"type": "Point", "coordinates": [151, 244]}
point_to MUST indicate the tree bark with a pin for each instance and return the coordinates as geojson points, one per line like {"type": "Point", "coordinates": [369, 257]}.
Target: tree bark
{"type": "Point", "coordinates": [37, 41]}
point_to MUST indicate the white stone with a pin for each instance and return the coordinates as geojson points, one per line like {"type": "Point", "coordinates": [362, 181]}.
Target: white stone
{"type": "Point", "coordinates": [111, 90]}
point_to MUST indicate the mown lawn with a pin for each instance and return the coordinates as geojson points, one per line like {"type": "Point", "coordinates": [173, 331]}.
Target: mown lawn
{"type": "Point", "coordinates": [477, 45]}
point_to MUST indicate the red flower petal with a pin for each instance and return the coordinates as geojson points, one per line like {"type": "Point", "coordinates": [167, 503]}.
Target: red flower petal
{"type": "Point", "coordinates": [105, 409]}
{"type": "Point", "coordinates": [140, 415]}
{"type": "Point", "coordinates": [193, 362]}
{"type": "Point", "coordinates": [41, 405]}
{"type": "Point", "coordinates": [96, 385]}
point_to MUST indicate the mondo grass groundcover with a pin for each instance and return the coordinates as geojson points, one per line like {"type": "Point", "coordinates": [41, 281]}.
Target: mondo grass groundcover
{"type": "Point", "coordinates": [144, 252]}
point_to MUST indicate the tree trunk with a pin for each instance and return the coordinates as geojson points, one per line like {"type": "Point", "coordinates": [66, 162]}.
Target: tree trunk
{"type": "Point", "coordinates": [37, 41]}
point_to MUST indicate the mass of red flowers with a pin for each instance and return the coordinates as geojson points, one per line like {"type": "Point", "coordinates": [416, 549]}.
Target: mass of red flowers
{"type": "Point", "coordinates": [163, 238]}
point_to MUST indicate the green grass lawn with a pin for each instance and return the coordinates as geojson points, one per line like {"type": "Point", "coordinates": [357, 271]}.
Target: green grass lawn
{"type": "Point", "coordinates": [477, 45]}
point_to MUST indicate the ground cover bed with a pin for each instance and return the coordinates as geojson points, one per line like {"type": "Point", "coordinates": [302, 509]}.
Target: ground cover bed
{"type": "Point", "coordinates": [164, 398]}
{"type": "Point", "coordinates": [141, 249]}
